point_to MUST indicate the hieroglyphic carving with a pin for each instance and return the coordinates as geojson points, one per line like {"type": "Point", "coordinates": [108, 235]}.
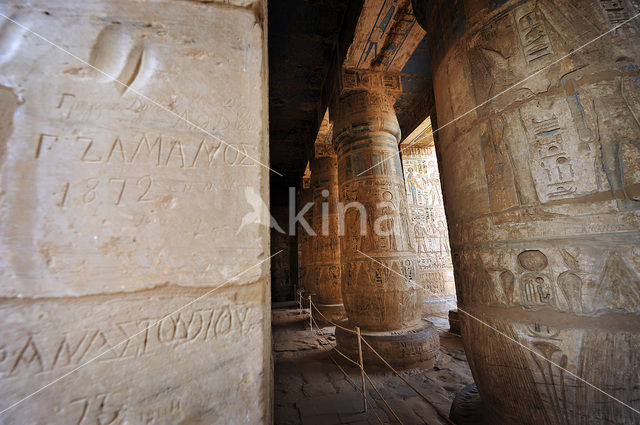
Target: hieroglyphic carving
{"type": "Point", "coordinates": [324, 258]}
{"type": "Point", "coordinates": [555, 280]}
{"type": "Point", "coordinates": [618, 287]}
{"type": "Point", "coordinates": [571, 286]}
{"type": "Point", "coordinates": [358, 79]}
{"type": "Point", "coordinates": [489, 61]}
{"type": "Point", "coordinates": [375, 298]}
{"type": "Point", "coordinates": [536, 289]}
{"type": "Point", "coordinates": [619, 99]}
{"type": "Point", "coordinates": [615, 11]}
{"type": "Point", "coordinates": [498, 166]}
{"type": "Point", "coordinates": [507, 284]}
{"type": "Point", "coordinates": [383, 206]}
{"type": "Point", "coordinates": [551, 253]}
{"type": "Point", "coordinates": [427, 220]}
{"type": "Point", "coordinates": [621, 372]}
{"type": "Point", "coordinates": [532, 33]}
{"type": "Point", "coordinates": [533, 260]}
{"type": "Point", "coordinates": [519, 372]}
{"type": "Point", "coordinates": [554, 155]}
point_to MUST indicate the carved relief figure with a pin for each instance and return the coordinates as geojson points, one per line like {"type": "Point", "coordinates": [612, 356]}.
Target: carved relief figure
{"type": "Point", "coordinates": [618, 288]}
{"type": "Point", "coordinates": [426, 217]}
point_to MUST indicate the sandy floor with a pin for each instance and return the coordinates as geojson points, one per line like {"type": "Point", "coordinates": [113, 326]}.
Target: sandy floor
{"type": "Point", "coordinates": [311, 390]}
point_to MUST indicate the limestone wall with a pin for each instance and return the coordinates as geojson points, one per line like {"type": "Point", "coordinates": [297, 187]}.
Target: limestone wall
{"type": "Point", "coordinates": [122, 210]}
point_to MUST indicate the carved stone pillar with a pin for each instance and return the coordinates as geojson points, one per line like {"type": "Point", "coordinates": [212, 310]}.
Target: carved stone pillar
{"type": "Point", "coordinates": [305, 247]}
{"type": "Point", "coordinates": [324, 270]}
{"type": "Point", "coordinates": [542, 191]}
{"type": "Point", "coordinates": [282, 275]}
{"type": "Point", "coordinates": [379, 286]}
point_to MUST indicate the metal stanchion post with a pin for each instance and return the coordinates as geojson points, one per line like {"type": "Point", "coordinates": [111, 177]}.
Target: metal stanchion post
{"type": "Point", "coordinates": [310, 314]}
{"type": "Point", "coordinates": [364, 396]}
{"type": "Point", "coordinates": [299, 302]}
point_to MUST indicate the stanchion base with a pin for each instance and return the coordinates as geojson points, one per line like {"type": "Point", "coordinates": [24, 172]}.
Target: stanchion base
{"type": "Point", "coordinates": [333, 312]}
{"type": "Point", "coordinates": [467, 407]}
{"type": "Point", "coordinates": [454, 322]}
{"type": "Point", "coordinates": [414, 347]}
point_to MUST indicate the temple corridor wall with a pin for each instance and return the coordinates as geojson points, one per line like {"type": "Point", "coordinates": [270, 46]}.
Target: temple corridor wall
{"type": "Point", "coordinates": [427, 221]}
{"type": "Point", "coordinates": [129, 245]}
{"type": "Point", "coordinates": [538, 146]}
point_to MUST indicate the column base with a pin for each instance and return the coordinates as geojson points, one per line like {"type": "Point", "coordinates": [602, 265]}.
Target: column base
{"type": "Point", "coordinates": [403, 348]}
{"type": "Point", "coordinates": [333, 312]}
{"type": "Point", "coordinates": [467, 407]}
{"type": "Point", "coordinates": [454, 322]}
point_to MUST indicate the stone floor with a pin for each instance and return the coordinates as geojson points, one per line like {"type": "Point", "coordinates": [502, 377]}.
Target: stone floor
{"type": "Point", "coordinates": [311, 390]}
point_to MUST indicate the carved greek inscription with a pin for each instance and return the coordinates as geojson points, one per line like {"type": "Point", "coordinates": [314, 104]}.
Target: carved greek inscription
{"type": "Point", "coordinates": [144, 182]}
{"type": "Point", "coordinates": [88, 144]}
{"type": "Point", "coordinates": [121, 183]}
{"type": "Point", "coordinates": [90, 190]}
{"type": "Point", "coordinates": [45, 141]}
{"type": "Point", "coordinates": [120, 189]}
{"type": "Point", "coordinates": [66, 103]}
{"type": "Point", "coordinates": [159, 151]}
{"type": "Point", "coordinates": [176, 151]}
{"type": "Point", "coordinates": [100, 409]}
{"type": "Point", "coordinates": [28, 359]}
{"type": "Point", "coordinates": [39, 353]}
{"type": "Point", "coordinates": [65, 191]}
{"type": "Point", "coordinates": [117, 149]}
{"type": "Point", "coordinates": [151, 415]}
{"type": "Point", "coordinates": [144, 143]}
{"type": "Point", "coordinates": [204, 149]}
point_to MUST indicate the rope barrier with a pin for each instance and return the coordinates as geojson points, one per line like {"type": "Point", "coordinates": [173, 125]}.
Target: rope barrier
{"type": "Point", "coordinates": [438, 410]}
{"type": "Point", "coordinates": [360, 361]}
{"type": "Point", "coordinates": [346, 375]}
{"type": "Point", "coordinates": [299, 302]}
{"type": "Point", "coordinates": [310, 314]}
{"type": "Point", "coordinates": [395, 415]}
{"type": "Point", "coordinates": [329, 321]}
{"type": "Point", "coordinates": [336, 348]}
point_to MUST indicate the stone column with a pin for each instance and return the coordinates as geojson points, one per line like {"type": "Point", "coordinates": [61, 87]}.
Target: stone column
{"type": "Point", "coordinates": [380, 293]}
{"type": "Point", "coordinates": [305, 240]}
{"type": "Point", "coordinates": [542, 189]}
{"type": "Point", "coordinates": [133, 254]}
{"type": "Point", "coordinates": [324, 270]}
{"type": "Point", "coordinates": [282, 279]}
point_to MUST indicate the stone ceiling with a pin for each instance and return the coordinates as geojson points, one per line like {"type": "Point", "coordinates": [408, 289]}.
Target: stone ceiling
{"type": "Point", "coordinates": [303, 35]}
{"type": "Point", "coordinates": [308, 37]}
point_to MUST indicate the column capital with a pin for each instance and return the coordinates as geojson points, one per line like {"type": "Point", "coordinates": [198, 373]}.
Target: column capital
{"type": "Point", "coordinates": [361, 112]}
{"type": "Point", "coordinates": [351, 80]}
